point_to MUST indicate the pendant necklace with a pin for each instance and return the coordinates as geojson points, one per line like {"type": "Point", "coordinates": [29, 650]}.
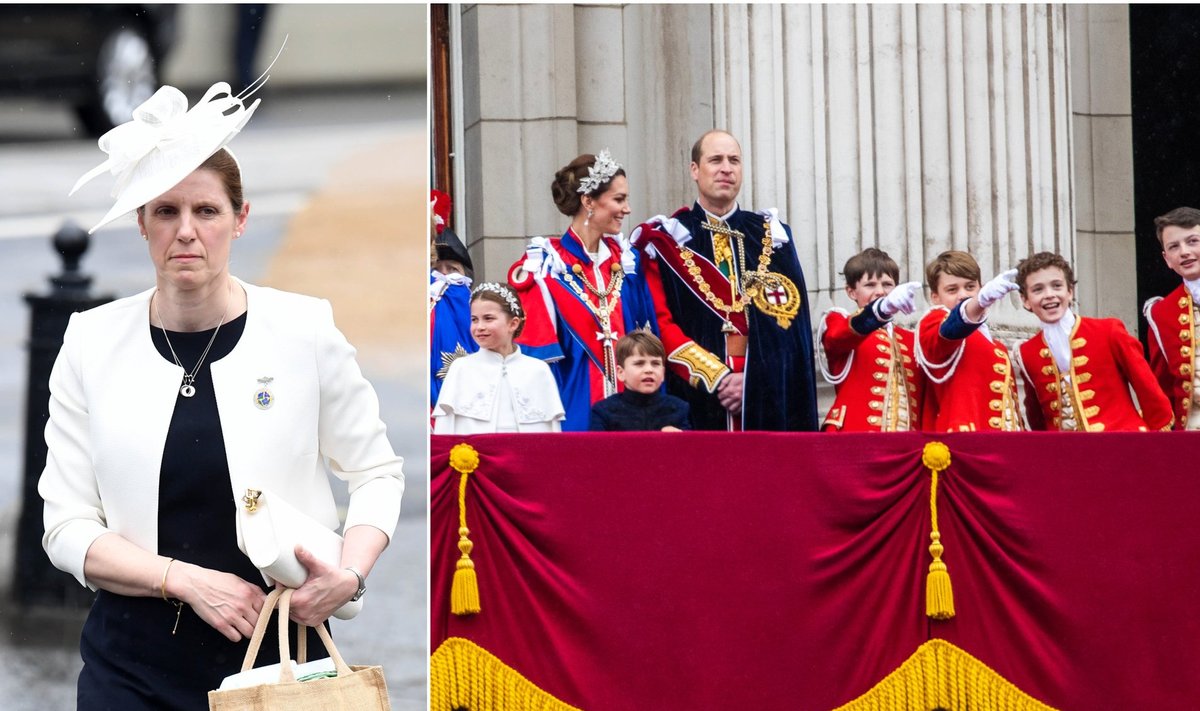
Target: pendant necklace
{"type": "Point", "coordinates": [187, 389]}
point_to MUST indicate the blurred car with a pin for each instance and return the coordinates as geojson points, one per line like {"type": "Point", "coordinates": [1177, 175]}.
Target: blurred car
{"type": "Point", "coordinates": [103, 60]}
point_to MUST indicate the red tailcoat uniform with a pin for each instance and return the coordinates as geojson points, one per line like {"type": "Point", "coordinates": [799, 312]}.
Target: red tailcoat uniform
{"type": "Point", "coordinates": [1093, 396]}
{"type": "Point", "coordinates": [972, 385]}
{"type": "Point", "coordinates": [873, 374]}
{"type": "Point", "coordinates": [1173, 350]}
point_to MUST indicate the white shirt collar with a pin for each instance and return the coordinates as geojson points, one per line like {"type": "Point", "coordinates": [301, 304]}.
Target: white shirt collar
{"type": "Point", "coordinates": [723, 218]}
{"type": "Point", "coordinates": [1058, 338]}
{"type": "Point", "coordinates": [602, 253]}
{"type": "Point", "coordinates": [1193, 287]}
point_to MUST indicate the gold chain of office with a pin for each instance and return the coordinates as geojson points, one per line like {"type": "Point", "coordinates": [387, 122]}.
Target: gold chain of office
{"type": "Point", "coordinates": [614, 284]}
{"type": "Point", "coordinates": [752, 282]}
{"type": "Point", "coordinates": [603, 314]}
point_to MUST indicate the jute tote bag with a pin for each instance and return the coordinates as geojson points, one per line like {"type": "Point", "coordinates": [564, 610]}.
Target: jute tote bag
{"type": "Point", "coordinates": [357, 688]}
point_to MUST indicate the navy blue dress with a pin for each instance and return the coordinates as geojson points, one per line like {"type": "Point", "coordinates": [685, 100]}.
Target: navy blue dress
{"type": "Point", "coordinates": [131, 660]}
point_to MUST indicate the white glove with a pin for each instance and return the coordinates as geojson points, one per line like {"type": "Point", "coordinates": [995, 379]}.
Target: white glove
{"type": "Point", "coordinates": [902, 299]}
{"type": "Point", "coordinates": [997, 288]}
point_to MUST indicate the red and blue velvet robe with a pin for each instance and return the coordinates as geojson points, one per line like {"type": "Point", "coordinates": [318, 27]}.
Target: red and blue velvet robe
{"type": "Point", "coordinates": [564, 332]}
{"type": "Point", "coordinates": [449, 332]}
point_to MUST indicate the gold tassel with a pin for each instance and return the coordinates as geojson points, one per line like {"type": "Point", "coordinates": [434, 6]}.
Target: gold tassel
{"type": "Point", "coordinates": [464, 590]}
{"type": "Point", "coordinates": [939, 595]}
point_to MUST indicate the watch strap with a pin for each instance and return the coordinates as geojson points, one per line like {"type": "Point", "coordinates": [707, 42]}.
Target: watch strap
{"type": "Point", "coordinates": [362, 584]}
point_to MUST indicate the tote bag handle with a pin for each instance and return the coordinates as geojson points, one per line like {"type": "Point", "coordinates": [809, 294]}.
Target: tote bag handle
{"type": "Point", "coordinates": [281, 598]}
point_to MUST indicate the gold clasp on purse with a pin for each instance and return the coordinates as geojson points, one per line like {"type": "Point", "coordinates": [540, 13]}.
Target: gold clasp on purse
{"type": "Point", "coordinates": [251, 500]}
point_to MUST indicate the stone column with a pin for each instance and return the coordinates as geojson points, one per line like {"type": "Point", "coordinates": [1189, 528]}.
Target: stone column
{"type": "Point", "coordinates": [1103, 126]}
{"type": "Point", "coordinates": [520, 117]}
{"type": "Point", "coordinates": [912, 128]}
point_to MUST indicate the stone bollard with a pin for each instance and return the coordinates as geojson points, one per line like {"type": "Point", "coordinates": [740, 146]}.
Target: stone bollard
{"type": "Point", "coordinates": [36, 581]}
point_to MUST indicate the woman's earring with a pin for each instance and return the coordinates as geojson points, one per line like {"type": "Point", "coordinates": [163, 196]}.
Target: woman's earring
{"type": "Point", "coordinates": [588, 218]}
{"type": "Point", "coordinates": [145, 236]}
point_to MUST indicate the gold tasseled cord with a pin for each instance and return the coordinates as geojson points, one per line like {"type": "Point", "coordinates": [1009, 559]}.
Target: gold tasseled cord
{"type": "Point", "coordinates": [464, 591]}
{"type": "Point", "coordinates": [939, 595]}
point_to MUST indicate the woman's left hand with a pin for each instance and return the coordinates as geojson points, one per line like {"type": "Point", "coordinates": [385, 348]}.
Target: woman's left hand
{"type": "Point", "coordinates": [326, 589]}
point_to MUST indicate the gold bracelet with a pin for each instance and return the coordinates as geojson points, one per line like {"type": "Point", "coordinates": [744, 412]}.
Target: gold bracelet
{"type": "Point", "coordinates": [163, 589]}
{"type": "Point", "coordinates": [163, 586]}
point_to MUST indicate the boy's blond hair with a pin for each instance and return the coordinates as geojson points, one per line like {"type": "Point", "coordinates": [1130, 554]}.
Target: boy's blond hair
{"type": "Point", "coordinates": [642, 342]}
{"type": "Point", "coordinates": [954, 263]}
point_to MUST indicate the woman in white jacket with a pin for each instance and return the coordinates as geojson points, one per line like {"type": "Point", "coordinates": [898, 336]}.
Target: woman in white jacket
{"type": "Point", "coordinates": [166, 406]}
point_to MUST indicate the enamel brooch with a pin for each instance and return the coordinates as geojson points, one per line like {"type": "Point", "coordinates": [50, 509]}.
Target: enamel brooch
{"type": "Point", "coordinates": [263, 399]}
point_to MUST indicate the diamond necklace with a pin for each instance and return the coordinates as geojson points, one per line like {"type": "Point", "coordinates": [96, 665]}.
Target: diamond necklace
{"type": "Point", "coordinates": [187, 389]}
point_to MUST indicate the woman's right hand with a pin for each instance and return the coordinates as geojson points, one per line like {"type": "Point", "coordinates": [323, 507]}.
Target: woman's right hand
{"type": "Point", "coordinates": [227, 603]}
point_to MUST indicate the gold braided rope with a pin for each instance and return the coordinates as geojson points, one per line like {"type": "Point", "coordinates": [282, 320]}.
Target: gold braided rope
{"type": "Point", "coordinates": [940, 675]}
{"type": "Point", "coordinates": [464, 590]}
{"type": "Point", "coordinates": [740, 300]}
{"type": "Point", "coordinates": [463, 675]}
{"type": "Point", "coordinates": [939, 595]}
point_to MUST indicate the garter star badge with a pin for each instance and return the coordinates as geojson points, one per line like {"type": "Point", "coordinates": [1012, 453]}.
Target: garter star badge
{"type": "Point", "coordinates": [448, 358]}
{"type": "Point", "coordinates": [263, 399]}
{"type": "Point", "coordinates": [776, 296]}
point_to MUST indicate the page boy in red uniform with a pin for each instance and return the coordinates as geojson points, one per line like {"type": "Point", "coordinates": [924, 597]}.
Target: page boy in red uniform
{"type": "Point", "coordinates": [1078, 370]}
{"type": "Point", "coordinates": [971, 384]}
{"type": "Point", "coordinates": [868, 360]}
{"type": "Point", "coordinates": [1173, 319]}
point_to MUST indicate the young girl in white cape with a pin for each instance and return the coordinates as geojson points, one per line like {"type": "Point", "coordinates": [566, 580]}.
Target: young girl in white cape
{"type": "Point", "coordinates": [497, 388]}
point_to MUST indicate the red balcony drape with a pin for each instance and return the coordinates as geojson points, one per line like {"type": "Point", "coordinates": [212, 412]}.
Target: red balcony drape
{"type": "Point", "coordinates": [756, 570]}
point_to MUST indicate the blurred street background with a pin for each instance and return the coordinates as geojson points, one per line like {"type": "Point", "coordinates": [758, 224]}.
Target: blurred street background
{"type": "Point", "coordinates": [334, 164]}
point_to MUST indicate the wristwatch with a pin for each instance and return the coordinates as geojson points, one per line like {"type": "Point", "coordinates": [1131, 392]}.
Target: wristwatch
{"type": "Point", "coordinates": [362, 584]}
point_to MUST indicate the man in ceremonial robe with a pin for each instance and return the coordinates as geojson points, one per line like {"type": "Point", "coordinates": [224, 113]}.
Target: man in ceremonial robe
{"type": "Point", "coordinates": [732, 303]}
{"type": "Point", "coordinates": [449, 297]}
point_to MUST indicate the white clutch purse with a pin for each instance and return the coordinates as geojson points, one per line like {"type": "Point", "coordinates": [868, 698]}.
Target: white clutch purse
{"type": "Point", "coordinates": [268, 531]}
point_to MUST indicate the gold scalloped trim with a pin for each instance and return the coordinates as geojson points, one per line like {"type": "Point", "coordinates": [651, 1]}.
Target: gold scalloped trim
{"type": "Point", "coordinates": [463, 675]}
{"type": "Point", "coordinates": [940, 675]}
{"type": "Point", "coordinates": [703, 368]}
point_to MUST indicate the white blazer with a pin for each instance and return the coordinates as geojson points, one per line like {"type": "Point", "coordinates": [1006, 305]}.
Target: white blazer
{"type": "Point", "coordinates": [112, 397]}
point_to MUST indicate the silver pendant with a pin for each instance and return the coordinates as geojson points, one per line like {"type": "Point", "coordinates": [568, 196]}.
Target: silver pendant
{"type": "Point", "coordinates": [187, 391]}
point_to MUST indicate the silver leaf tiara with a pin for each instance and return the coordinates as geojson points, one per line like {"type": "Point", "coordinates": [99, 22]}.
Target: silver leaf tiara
{"type": "Point", "coordinates": [600, 173]}
{"type": "Point", "coordinates": [503, 292]}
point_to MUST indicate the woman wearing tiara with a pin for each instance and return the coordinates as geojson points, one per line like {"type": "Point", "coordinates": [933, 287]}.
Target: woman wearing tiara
{"type": "Point", "coordinates": [584, 290]}
{"type": "Point", "coordinates": [167, 405]}
{"type": "Point", "coordinates": [497, 388]}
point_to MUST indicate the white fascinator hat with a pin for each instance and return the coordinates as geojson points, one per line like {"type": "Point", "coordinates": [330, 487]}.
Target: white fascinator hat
{"type": "Point", "coordinates": [166, 141]}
